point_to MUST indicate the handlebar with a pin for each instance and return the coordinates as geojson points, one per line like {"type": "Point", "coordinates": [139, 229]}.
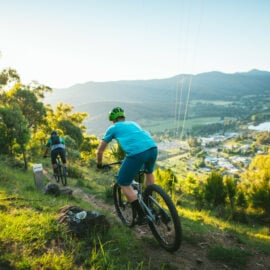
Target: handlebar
{"type": "Point", "coordinates": [115, 163]}
{"type": "Point", "coordinates": [109, 165]}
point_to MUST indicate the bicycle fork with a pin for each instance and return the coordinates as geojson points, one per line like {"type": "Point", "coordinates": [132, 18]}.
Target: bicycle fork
{"type": "Point", "coordinates": [151, 217]}
{"type": "Point", "coordinates": [137, 187]}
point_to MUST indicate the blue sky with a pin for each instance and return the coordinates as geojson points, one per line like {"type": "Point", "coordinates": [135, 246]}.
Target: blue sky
{"type": "Point", "coordinates": [63, 42]}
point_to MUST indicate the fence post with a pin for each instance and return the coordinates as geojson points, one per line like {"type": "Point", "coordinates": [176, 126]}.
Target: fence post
{"type": "Point", "coordinates": [38, 177]}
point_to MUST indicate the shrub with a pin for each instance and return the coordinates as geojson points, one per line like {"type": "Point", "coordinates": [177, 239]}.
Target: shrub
{"type": "Point", "coordinates": [214, 190]}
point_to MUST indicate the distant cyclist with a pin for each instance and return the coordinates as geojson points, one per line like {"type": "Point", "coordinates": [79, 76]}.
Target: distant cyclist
{"type": "Point", "coordinates": [57, 146]}
{"type": "Point", "coordinates": [141, 151]}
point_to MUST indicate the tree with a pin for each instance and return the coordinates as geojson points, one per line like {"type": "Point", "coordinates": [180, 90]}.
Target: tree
{"type": "Point", "coordinates": [33, 110]}
{"type": "Point", "coordinates": [14, 132]}
{"type": "Point", "coordinates": [65, 112]}
{"type": "Point", "coordinates": [38, 89]}
{"type": "Point", "coordinates": [166, 179]}
{"type": "Point", "coordinates": [214, 190]}
{"type": "Point", "coordinates": [8, 76]}
{"type": "Point", "coordinates": [231, 189]}
{"type": "Point", "coordinates": [89, 146]}
{"type": "Point", "coordinates": [73, 131]}
{"type": "Point", "coordinates": [66, 121]}
{"type": "Point", "coordinates": [257, 182]}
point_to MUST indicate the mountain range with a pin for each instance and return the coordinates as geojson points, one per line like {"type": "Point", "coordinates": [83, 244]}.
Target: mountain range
{"type": "Point", "coordinates": [157, 98]}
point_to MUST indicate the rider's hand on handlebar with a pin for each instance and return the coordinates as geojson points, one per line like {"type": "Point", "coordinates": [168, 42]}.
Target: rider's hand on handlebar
{"type": "Point", "coordinates": [103, 167]}
{"type": "Point", "coordinates": [106, 167]}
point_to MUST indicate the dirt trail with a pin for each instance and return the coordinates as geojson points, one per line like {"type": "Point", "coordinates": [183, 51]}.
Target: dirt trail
{"type": "Point", "coordinates": [189, 256]}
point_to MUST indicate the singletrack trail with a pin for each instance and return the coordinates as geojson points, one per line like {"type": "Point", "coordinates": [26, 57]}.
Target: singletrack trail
{"type": "Point", "coordinates": [190, 256]}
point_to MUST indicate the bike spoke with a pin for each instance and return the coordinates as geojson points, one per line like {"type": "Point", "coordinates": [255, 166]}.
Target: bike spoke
{"type": "Point", "coordinates": [123, 207]}
{"type": "Point", "coordinates": [166, 226]}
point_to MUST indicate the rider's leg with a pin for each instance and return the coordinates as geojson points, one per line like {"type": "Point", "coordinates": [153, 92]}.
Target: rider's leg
{"type": "Point", "coordinates": [150, 178]}
{"type": "Point", "coordinates": [133, 199]}
{"type": "Point", "coordinates": [129, 192]}
{"type": "Point", "coordinates": [64, 160]}
{"type": "Point", "coordinates": [150, 165]}
{"type": "Point", "coordinates": [127, 172]}
{"type": "Point", "coordinates": [62, 153]}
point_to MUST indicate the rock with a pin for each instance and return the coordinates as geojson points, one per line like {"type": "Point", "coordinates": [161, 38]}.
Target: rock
{"type": "Point", "coordinates": [52, 189]}
{"type": "Point", "coordinates": [82, 222]}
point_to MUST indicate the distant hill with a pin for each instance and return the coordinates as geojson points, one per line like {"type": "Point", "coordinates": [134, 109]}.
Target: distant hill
{"type": "Point", "coordinates": [157, 98]}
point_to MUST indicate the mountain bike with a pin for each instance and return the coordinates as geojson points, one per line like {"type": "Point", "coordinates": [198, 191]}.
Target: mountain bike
{"type": "Point", "coordinates": [60, 174]}
{"type": "Point", "coordinates": [160, 211]}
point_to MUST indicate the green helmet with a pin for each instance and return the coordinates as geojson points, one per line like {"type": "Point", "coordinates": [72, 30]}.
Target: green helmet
{"type": "Point", "coordinates": [115, 113]}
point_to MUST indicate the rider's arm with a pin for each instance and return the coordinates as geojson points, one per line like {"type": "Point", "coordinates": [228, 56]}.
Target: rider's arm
{"type": "Point", "coordinates": [102, 146]}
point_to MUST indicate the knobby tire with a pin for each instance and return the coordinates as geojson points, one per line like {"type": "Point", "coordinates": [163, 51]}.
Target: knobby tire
{"type": "Point", "coordinates": [167, 227]}
{"type": "Point", "coordinates": [60, 176]}
{"type": "Point", "coordinates": [63, 176]}
{"type": "Point", "coordinates": [122, 206]}
{"type": "Point", "coordinates": [57, 176]}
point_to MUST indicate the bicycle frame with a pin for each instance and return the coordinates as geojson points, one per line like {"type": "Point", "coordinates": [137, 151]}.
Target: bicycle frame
{"type": "Point", "coordinates": [138, 186]}
{"type": "Point", "coordinates": [162, 215]}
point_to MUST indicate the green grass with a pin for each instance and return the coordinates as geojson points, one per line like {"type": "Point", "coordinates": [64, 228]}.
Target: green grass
{"type": "Point", "coordinates": [31, 237]}
{"type": "Point", "coordinates": [234, 257]}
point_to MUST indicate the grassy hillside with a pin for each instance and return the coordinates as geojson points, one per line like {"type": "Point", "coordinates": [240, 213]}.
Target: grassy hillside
{"type": "Point", "coordinates": [31, 238]}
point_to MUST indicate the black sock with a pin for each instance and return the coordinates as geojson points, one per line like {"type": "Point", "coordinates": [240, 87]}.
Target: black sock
{"type": "Point", "coordinates": [136, 206]}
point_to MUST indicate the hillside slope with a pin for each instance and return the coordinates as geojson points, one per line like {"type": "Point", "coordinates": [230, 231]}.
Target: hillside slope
{"type": "Point", "coordinates": [206, 86]}
{"type": "Point", "coordinates": [31, 236]}
{"type": "Point", "coordinates": [194, 251]}
{"type": "Point", "coordinates": [160, 98]}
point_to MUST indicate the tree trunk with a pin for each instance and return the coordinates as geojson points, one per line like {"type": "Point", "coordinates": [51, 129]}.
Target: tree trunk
{"type": "Point", "coordinates": [25, 161]}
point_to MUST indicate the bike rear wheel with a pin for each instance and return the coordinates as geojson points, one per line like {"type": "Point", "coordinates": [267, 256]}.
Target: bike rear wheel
{"type": "Point", "coordinates": [123, 207]}
{"type": "Point", "coordinates": [167, 226]}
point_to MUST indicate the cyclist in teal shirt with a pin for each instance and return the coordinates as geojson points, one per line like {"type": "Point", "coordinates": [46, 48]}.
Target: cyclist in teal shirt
{"type": "Point", "coordinates": [57, 146]}
{"type": "Point", "coordinates": [141, 151]}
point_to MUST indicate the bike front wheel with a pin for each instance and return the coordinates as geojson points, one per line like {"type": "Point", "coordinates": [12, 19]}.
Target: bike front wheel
{"type": "Point", "coordinates": [64, 179]}
{"type": "Point", "coordinates": [166, 227]}
{"type": "Point", "coordinates": [123, 207]}
{"type": "Point", "coordinates": [63, 176]}
{"type": "Point", "coordinates": [57, 174]}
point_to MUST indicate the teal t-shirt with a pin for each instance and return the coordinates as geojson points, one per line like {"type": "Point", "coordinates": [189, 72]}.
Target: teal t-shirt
{"type": "Point", "coordinates": [61, 145]}
{"type": "Point", "coordinates": [132, 138]}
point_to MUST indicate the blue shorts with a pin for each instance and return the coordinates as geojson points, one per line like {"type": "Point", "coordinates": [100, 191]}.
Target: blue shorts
{"type": "Point", "coordinates": [132, 164]}
{"type": "Point", "coordinates": [58, 151]}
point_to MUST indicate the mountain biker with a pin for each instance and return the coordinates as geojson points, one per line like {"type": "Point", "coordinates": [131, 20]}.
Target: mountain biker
{"type": "Point", "coordinates": [141, 151]}
{"type": "Point", "coordinates": [57, 146]}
